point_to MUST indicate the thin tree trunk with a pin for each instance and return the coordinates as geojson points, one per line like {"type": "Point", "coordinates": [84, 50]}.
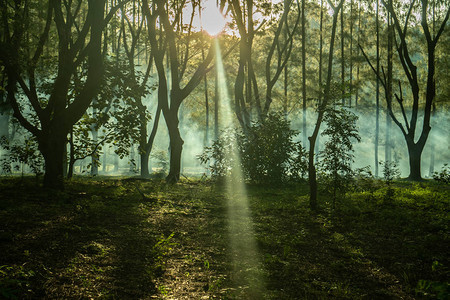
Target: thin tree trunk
{"type": "Point", "coordinates": [358, 53]}
{"type": "Point", "coordinates": [304, 70]}
{"type": "Point", "coordinates": [387, 153]}
{"type": "Point", "coordinates": [320, 73]}
{"type": "Point", "coordinates": [377, 95]}
{"type": "Point", "coordinates": [312, 139]}
{"type": "Point", "coordinates": [216, 106]}
{"type": "Point", "coordinates": [342, 60]}
{"type": "Point", "coordinates": [351, 55]}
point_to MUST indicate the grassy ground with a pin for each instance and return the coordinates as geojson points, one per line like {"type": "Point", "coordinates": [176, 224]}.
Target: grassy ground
{"type": "Point", "coordinates": [134, 239]}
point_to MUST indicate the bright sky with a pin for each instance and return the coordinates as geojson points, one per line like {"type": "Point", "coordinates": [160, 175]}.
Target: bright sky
{"type": "Point", "coordinates": [212, 21]}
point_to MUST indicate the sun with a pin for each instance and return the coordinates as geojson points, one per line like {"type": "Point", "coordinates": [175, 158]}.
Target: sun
{"type": "Point", "coordinates": [212, 20]}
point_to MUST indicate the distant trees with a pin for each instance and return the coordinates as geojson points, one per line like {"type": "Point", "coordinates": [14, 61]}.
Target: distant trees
{"type": "Point", "coordinates": [409, 126]}
{"type": "Point", "coordinates": [156, 46]}
{"type": "Point", "coordinates": [247, 94]}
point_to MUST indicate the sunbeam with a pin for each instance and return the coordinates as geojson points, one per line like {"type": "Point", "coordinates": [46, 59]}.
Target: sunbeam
{"type": "Point", "coordinates": [247, 268]}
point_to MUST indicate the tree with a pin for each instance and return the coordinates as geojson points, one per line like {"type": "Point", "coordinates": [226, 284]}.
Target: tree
{"type": "Point", "coordinates": [312, 173]}
{"type": "Point", "coordinates": [337, 157]}
{"type": "Point", "coordinates": [131, 33]}
{"type": "Point", "coordinates": [79, 39]}
{"type": "Point", "coordinates": [178, 65]}
{"type": "Point", "coordinates": [249, 99]}
{"type": "Point", "coordinates": [409, 127]}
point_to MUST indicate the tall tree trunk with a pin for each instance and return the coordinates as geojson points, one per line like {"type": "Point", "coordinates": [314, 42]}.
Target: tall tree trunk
{"type": "Point", "coordinates": [216, 106]}
{"type": "Point", "coordinates": [317, 147]}
{"type": "Point", "coordinates": [342, 59]}
{"type": "Point", "coordinates": [358, 53]}
{"type": "Point", "coordinates": [351, 56]}
{"type": "Point", "coordinates": [432, 146]}
{"type": "Point", "coordinates": [312, 174]}
{"type": "Point", "coordinates": [377, 95]}
{"type": "Point", "coordinates": [304, 71]}
{"type": "Point", "coordinates": [387, 153]}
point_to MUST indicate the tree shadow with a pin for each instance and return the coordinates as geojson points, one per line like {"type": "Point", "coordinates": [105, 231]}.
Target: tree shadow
{"type": "Point", "coordinates": [91, 240]}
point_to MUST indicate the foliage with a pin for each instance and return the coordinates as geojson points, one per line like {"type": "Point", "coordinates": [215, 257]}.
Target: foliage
{"type": "Point", "coordinates": [390, 173]}
{"type": "Point", "coordinates": [437, 289]}
{"type": "Point", "coordinates": [268, 152]}
{"type": "Point", "coordinates": [220, 155]}
{"type": "Point", "coordinates": [337, 156]}
{"type": "Point", "coordinates": [162, 160]}
{"type": "Point", "coordinates": [444, 175]}
{"type": "Point", "coordinates": [365, 182]}
{"type": "Point", "coordinates": [21, 153]}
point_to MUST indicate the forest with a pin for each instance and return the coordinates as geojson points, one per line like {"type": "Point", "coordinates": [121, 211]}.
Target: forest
{"type": "Point", "coordinates": [224, 149]}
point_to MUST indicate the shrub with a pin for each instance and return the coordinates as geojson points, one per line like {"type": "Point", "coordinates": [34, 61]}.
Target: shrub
{"type": "Point", "coordinates": [337, 156]}
{"type": "Point", "coordinates": [390, 173]}
{"type": "Point", "coordinates": [267, 152]}
{"type": "Point", "coordinates": [444, 175]}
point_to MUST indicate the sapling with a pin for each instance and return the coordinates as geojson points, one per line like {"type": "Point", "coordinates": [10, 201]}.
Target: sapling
{"type": "Point", "coordinates": [337, 156]}
{"type": "Point", "coordinates": [390, 173]}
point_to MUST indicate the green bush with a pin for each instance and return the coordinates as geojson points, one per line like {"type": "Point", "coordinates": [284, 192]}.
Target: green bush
{"type": "Point", "coordinates": [444, 175]}
{"type": "Point", "coordinates": [337, 156]}
{"type": "Point", "coordinates": [267, 152]}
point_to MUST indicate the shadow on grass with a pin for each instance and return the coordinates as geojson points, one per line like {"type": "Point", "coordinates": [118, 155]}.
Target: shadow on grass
{"type": "Point", "coordinates": [90, 241]}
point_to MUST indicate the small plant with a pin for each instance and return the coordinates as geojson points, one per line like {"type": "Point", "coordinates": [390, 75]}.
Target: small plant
{"type": "Point", "coordinates": [390, 173]}
{"type": "Point", "coordinates": [337, 157]}
{"type": "Point", "coordinates": [219, 157]}
{"type": "Point", "coordinates": [435, 289]}
{"type": "Point", "coordinates": [162, 161]}
{"type": "Point", "coordinates": [365, 181]}
{"type": "Point", "coordinates": [443, 176]}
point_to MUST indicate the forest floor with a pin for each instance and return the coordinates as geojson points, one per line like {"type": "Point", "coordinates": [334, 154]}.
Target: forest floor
{"type": "Point", "coordinates": [119, 238]}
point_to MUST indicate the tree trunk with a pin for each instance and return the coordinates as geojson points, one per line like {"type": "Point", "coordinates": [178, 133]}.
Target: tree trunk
{"type": "Point", "coordinates": [377, 95]}
{"type": "Point", "coordinates": [415, 153]}
{"type": "Point", "coordinates": [342, 60]}
{"type": "Point", "coordinates": [52, 148]}
{"type": "Point", "coordinates": [71, 156]}
{"type": "Point", "coordinates": [312, 176]}
{"type": "Point", "coordinates": [312, 139]}
{"type": "Point", "coordinates": [176, 147]}
{"type": "Point", "coordinates": [145, 173]}
{"type": "Point", "coordinates": [145, 156]}
{"type": "Point", "coordinates": [387, 153]}
{"type": "Point", "coordinates": [94, 156]}
{"type": "Point", "coordinates": [304, 71]}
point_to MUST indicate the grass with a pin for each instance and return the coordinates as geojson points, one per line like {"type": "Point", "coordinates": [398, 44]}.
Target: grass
{"type": "Point", "coordinates": [125, 238]}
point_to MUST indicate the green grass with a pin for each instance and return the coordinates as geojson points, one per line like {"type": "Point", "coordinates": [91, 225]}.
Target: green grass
{"type": "Point", "coordinates": [124, 238]}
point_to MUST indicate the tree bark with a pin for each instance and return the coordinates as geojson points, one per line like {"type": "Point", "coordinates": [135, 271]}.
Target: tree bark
{"type": "Point", "coordinates": [312, 139]}
{"type": "Point", "coordinates": [415, 154]}
{"type": "Point", "coordinates": [52, 146]}
{"type": "Point", "coordinates": [176, 148]}
{"type": "Point", "coordinates": [304, 72]}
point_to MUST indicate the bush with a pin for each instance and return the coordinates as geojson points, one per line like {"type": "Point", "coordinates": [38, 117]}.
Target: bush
{"type": "Point", "coordinates": [390, 173]}
{"type": "Point", "coordinates": [337, 156]}
{"type": "Point", "coordinates": [268, 152]}
{"type": "Point", "coordinates": [444, 175]}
